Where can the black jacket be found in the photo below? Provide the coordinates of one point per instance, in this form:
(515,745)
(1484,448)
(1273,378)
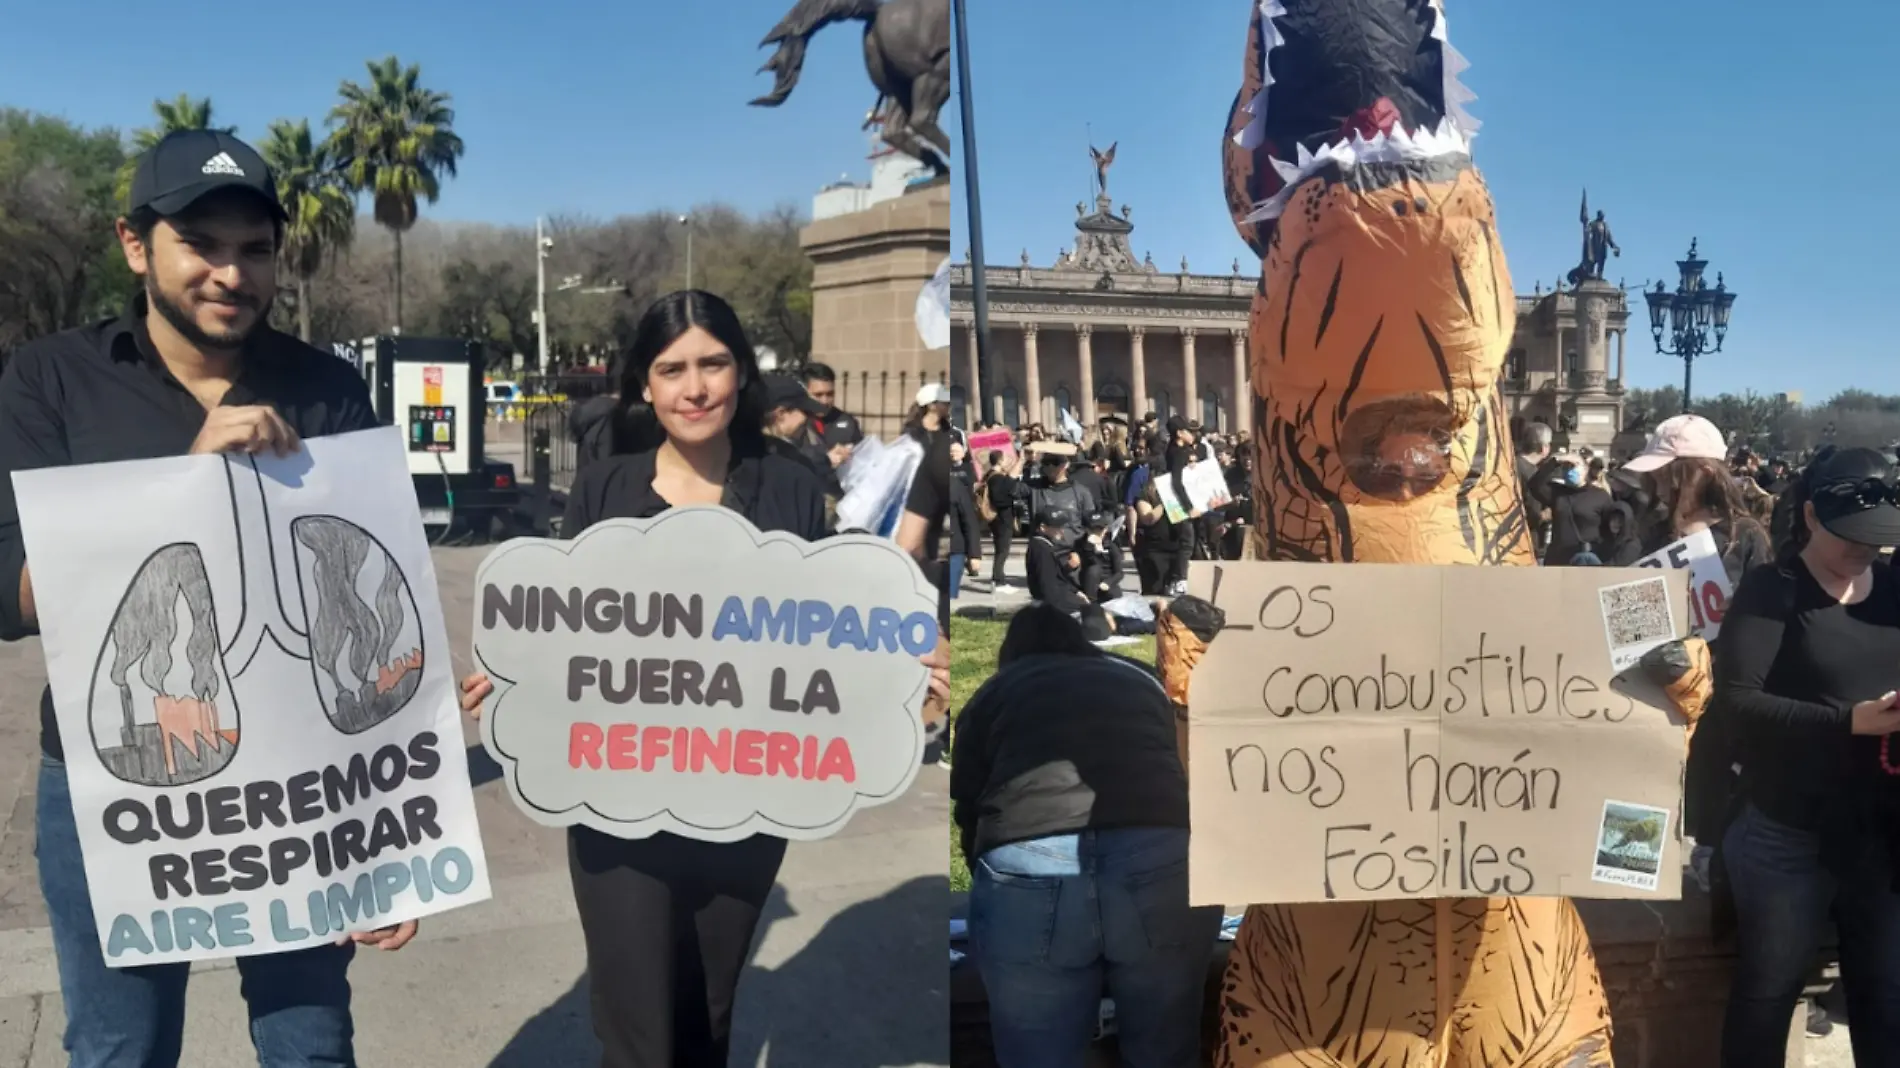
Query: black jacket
(773,491)
(1059,744)
(965,530)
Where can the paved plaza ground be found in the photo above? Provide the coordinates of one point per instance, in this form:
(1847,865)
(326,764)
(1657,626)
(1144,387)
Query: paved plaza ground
(850,969)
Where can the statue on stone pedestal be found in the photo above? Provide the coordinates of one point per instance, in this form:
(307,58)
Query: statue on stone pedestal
(906,52)
(1597,244)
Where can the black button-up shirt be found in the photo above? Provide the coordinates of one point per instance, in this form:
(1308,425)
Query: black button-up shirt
(100,394)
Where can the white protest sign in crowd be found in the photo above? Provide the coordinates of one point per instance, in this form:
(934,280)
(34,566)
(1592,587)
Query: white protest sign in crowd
(1709,587)
(251,678)
(693,675)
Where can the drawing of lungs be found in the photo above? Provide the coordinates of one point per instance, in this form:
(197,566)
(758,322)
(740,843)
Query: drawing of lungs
(161,706)
(364,632)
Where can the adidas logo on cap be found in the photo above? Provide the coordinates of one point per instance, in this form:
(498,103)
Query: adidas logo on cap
(222,163)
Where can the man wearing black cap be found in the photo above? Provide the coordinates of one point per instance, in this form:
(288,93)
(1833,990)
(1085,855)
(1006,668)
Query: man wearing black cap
(192,366)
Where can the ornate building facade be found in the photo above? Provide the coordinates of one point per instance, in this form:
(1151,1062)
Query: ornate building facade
(1101,334)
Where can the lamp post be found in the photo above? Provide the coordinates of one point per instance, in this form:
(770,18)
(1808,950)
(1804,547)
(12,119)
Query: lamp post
(542,243)
(985,384)
(687,221)
(1689,314)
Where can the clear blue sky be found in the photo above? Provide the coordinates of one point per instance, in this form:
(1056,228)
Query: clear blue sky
(599,107)
(1756,127)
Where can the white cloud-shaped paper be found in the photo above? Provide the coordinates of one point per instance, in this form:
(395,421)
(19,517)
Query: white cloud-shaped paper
(703,770)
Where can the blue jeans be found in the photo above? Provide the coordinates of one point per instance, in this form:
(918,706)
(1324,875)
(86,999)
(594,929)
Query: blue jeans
(1784,884)
(135,1017)
(1056,922)
(957,564)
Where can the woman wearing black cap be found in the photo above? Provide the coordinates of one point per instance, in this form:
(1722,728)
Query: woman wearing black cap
(1807,668)
(668,921)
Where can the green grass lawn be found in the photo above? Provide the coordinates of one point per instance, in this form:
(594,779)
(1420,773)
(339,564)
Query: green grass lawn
(973,646)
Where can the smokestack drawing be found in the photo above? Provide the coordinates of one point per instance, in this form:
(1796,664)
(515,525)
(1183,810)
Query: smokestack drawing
(186,737)
(367,658)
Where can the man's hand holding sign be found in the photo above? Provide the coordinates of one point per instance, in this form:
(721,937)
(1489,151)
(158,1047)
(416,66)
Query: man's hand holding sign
(1424,731)
(691,675)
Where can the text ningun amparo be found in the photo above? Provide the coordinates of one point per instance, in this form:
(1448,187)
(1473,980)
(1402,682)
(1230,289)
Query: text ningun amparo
(632,746)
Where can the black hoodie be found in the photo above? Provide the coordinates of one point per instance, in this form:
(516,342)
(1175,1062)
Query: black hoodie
(1617,544)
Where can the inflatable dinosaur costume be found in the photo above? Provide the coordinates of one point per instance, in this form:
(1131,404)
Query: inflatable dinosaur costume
(1381,324)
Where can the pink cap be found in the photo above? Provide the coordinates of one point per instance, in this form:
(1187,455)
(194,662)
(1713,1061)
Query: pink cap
(1680,437)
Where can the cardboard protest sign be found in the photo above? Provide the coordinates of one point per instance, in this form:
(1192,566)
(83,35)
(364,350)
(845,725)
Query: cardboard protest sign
(1709,587)
(1378,731)
(984,442)
(251,678)
(690,674)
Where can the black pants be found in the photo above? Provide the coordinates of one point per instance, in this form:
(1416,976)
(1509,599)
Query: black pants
(1002,532)
(1160,568)
(1786,881)
(668,923)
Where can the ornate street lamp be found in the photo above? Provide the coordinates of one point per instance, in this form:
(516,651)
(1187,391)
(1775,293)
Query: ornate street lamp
(1689,314)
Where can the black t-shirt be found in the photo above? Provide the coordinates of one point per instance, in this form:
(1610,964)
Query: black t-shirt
(100,394)
(1058,744)
(930,489)
(773,491)
(1791,664)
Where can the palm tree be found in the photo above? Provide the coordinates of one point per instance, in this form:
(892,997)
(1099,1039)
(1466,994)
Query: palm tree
(395,141)
(182,113)
(320,207)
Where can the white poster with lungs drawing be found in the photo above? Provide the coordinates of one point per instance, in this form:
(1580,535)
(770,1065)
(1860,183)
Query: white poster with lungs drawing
(251,677)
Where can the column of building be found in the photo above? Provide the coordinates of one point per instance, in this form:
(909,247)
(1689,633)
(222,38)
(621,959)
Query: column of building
(1243,398)
(1138,358)
(1032,374)
(974,395)
(1188,375)
(1085,359)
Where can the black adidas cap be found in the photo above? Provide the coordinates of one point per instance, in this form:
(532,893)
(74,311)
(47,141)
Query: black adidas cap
(188,164)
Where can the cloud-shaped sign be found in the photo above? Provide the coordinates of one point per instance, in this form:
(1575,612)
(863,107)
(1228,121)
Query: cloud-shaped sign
(693,675)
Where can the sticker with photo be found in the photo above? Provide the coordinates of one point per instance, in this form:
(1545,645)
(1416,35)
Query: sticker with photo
(1631,841)
(1636,619)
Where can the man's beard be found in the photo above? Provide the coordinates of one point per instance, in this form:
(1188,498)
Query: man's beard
(190,330)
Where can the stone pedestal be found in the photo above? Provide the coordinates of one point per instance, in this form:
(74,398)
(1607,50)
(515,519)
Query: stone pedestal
(1595,408)
(867,269)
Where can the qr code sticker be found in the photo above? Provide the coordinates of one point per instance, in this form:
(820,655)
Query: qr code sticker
(1638,612)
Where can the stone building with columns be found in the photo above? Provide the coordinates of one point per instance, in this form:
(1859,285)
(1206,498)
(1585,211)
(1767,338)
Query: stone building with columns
(1102,334)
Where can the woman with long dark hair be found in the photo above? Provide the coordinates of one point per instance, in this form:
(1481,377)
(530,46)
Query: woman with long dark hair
(668,921)
(1807,670)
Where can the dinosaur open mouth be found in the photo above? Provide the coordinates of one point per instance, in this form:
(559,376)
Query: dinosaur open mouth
(1398,449)
(1379,87)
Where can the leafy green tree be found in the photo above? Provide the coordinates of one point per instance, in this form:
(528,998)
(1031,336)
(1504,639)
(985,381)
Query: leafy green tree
(320,206)
(179,113)
(60,264)
(395,140)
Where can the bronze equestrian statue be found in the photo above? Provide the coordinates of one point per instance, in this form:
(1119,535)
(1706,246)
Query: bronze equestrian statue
(906,52)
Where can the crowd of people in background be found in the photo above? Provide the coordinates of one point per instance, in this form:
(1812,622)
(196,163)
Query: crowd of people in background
(1089,503)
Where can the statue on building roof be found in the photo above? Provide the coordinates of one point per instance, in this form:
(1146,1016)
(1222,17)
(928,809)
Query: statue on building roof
(1103,161)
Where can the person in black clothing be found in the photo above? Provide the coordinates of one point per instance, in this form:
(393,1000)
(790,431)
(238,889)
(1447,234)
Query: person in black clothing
(832,433)
(1101,560)
(1055,569)
(668,921)
(1071,806)
(966,539)
(192,367)
(1576,514)
(1616,541)
(1807,670)
(789,411)
(1002,487)
(1060,492)
(1162,546)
